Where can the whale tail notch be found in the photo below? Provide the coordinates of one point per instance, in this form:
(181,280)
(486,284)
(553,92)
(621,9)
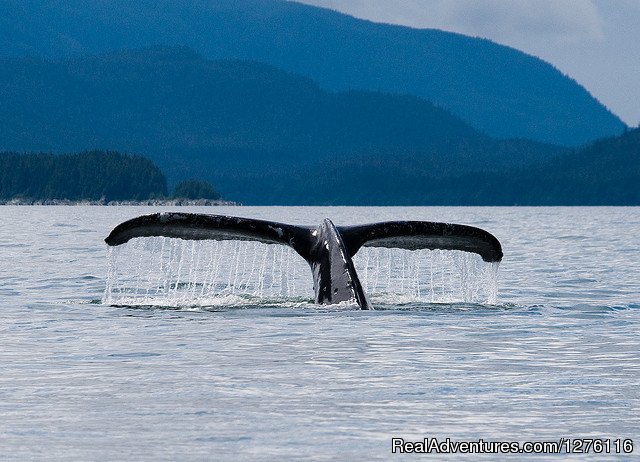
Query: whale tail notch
(327,249)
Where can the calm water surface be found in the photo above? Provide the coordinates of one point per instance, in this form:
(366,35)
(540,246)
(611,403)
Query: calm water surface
(558,356)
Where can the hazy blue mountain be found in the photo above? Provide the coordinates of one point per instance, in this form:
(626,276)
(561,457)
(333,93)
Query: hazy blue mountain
(606,172)
(499,90)
(259,134)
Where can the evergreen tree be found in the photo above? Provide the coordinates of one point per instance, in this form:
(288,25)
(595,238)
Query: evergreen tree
(90,175)
(195,189)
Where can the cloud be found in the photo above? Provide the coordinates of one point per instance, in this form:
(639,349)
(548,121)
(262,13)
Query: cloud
(500,20)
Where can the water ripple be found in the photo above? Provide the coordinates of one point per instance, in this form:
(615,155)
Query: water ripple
(557,356)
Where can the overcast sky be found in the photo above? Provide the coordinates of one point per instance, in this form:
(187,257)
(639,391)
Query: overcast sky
(597,42)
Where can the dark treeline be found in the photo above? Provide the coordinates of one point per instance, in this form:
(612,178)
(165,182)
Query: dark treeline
(195,189)
(91,175)
(264,136)
(246,127)
(606,172)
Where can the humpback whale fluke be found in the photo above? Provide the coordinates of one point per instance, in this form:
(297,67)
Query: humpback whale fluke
(327,248)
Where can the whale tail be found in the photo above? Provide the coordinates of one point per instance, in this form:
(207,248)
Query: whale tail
(328,249)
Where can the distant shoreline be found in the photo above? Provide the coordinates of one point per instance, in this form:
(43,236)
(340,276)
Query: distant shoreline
(149,202)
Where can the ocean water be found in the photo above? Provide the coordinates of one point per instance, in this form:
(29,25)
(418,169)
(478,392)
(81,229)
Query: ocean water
(267,375)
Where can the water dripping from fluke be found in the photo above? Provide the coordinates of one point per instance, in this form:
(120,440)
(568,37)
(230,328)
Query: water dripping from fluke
(188,260)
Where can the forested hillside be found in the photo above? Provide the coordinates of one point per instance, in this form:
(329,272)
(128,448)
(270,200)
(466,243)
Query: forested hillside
(247,127)
(496,89)
(606,172)
(94,175)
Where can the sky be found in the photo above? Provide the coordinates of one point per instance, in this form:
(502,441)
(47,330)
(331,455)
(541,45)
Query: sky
(596,42)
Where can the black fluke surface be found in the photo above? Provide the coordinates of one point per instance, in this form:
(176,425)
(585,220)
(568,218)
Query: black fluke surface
(328,249)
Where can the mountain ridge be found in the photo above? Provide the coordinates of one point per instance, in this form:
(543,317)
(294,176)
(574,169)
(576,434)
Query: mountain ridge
(242,125)
(497,89)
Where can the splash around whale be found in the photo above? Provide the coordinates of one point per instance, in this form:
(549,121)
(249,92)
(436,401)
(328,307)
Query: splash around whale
(328,249)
